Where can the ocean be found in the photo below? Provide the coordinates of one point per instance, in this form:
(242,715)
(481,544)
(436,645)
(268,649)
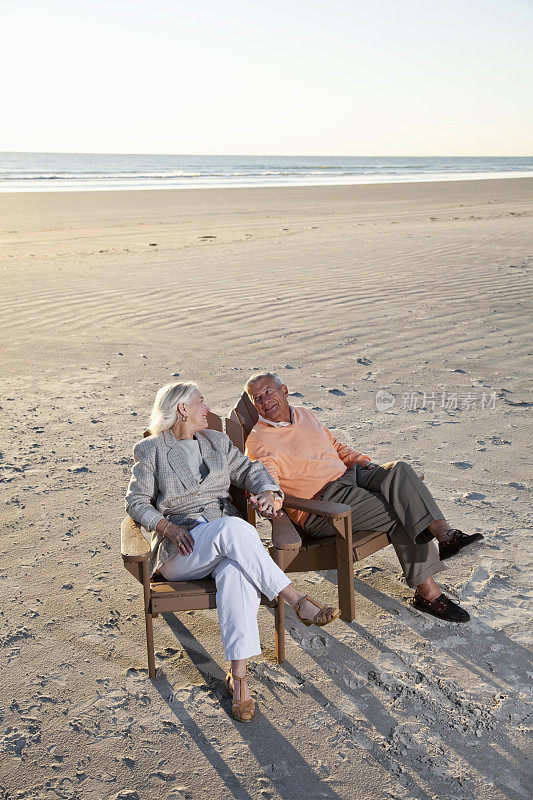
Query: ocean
(25,172)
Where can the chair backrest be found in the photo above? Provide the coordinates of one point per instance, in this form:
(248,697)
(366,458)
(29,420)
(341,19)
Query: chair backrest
(239,424)
(214,422)
(244,415)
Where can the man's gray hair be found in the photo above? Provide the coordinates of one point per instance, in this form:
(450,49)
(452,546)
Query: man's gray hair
(165,409)
(259,376)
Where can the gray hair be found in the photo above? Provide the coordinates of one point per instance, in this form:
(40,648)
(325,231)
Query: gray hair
(259,376)
(165,409)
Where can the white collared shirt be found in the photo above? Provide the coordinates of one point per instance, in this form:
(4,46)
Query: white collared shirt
(275,424)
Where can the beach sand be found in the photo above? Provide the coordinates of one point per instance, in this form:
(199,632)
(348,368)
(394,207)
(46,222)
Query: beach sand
(411,289)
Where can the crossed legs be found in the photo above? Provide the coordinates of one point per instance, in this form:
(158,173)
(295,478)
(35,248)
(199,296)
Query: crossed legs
(393,499)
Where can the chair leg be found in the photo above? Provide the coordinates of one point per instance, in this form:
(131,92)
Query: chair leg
(150,644)
(148,620)
(345,571)
(279,612)
(279,631)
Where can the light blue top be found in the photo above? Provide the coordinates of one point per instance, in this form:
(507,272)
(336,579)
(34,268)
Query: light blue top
(191,453)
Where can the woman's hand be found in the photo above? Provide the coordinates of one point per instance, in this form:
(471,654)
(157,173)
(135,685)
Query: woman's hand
(370,465)
(180,537)
(264,504)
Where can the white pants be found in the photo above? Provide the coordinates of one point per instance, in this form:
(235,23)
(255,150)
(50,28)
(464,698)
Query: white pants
(232,551)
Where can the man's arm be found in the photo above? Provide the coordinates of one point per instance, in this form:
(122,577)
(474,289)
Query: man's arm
(347,454)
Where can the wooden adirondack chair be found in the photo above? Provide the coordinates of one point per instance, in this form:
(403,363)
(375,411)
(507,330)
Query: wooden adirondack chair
(291,549)
(161,596)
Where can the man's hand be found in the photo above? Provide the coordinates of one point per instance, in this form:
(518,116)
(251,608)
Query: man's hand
(370,465)
(180,537)
(264,504)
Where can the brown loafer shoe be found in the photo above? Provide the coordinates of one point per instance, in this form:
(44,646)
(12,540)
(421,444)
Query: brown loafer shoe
(442,607)
(456,543)
(324,615)
(243,710)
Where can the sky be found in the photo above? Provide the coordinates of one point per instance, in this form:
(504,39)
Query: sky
(283,77)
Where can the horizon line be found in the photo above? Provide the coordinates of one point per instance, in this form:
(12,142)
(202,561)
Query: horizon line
(247,155)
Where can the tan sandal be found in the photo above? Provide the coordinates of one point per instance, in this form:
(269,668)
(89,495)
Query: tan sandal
(243,710)
(324,615)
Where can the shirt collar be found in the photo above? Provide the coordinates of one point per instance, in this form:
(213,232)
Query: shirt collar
(276,424)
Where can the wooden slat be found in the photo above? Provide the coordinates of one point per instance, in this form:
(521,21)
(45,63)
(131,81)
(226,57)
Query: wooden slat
(246,413)
(163,604)
(323,508)
(182,588)
(370,545)
(360,538)
(324,556)
(308,559)
(235,432)
(214,422)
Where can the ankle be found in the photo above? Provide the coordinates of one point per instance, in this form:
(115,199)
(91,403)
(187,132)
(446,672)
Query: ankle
(299,598)
(440,530)
(428,594)
(444,535)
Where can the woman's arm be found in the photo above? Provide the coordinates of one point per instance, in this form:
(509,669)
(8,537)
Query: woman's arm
(251,475)
(142,488)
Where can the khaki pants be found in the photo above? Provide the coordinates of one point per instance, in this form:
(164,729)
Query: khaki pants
(390,498)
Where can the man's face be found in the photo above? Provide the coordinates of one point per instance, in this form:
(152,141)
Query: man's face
(270,400)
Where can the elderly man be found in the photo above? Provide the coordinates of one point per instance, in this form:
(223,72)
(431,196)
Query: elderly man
(306,460)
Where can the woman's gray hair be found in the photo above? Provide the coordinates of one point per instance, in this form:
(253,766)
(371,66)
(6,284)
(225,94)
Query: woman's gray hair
(259,376)
(165,409)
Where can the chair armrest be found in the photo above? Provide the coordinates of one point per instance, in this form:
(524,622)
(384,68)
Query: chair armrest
(284,534)
(133,545)
(322,508)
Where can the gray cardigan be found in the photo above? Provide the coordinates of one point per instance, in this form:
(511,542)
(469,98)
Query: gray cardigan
(163,486)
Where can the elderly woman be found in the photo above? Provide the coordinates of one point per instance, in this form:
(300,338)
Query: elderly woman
(179,489)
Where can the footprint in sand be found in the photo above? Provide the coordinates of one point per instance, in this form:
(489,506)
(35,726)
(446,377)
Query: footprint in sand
(16,740)
(169,652)
(163,776)
(480,577)
(177,793)
(276,676)
(462,464)
(16,635)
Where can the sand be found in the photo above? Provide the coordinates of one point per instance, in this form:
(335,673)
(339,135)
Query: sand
(409,289)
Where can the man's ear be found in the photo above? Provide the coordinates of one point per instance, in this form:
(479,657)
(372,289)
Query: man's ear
(285,390)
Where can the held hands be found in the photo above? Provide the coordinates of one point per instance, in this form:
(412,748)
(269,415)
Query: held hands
(370,465)
(264,505)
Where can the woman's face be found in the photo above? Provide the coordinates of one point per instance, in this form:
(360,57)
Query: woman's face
(196,411)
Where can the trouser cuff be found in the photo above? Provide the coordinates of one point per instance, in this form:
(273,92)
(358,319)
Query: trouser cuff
(240,653)
(419,532)
(281,584)
(428,571)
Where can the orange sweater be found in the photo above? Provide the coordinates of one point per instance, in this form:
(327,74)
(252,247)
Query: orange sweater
(302,457)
